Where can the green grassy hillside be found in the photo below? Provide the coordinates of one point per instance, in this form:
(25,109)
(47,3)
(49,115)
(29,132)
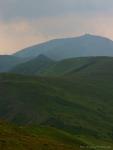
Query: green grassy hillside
(36,138)
(74,95)
(73,105)
(13,137)
(66,66)
(81,66)
(44,66)
(34,66)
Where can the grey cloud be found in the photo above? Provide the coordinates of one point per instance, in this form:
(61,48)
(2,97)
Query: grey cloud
(34,9)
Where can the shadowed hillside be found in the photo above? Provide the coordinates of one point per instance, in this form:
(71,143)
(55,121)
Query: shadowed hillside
(34,66)
(68,67)
(75,105)
(8,61)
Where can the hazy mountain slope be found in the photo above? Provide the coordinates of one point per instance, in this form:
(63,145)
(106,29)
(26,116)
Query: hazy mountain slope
(36,50)
(76,105)
(34,66)
(7,62)
(83,46)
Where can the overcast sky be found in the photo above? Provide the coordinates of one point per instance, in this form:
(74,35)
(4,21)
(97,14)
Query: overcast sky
(28,22)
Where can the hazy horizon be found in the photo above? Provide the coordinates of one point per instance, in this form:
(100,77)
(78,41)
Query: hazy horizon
(27,46)
(24,23)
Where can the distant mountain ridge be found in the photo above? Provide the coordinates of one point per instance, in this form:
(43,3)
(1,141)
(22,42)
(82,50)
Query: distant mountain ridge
(34,60)
(83,46)
(8,61)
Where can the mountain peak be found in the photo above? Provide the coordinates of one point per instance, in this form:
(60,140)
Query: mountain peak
(87,35)
(90,36)
(41,56)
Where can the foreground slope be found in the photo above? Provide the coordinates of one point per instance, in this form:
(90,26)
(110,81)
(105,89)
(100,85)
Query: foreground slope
(83,46)
(36,138)
(76,105)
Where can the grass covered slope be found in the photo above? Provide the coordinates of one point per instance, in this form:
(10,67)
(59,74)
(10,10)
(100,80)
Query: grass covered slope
(67,66)
(75,96)
(34,66)
(44,66)
(38,138)
(82,65)
(75,105)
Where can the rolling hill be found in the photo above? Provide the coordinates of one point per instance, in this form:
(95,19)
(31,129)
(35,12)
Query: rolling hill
(34,66)
(78,101)
(83,46)
(70,103)
(44,66)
